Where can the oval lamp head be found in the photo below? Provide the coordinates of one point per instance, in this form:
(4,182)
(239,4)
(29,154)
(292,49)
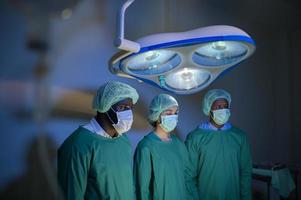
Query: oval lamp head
(185,62)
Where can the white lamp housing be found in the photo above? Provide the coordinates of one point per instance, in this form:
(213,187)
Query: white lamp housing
(184,62)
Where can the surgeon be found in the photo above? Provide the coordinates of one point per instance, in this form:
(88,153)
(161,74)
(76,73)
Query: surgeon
(95,161)
(220,153)
(161,159)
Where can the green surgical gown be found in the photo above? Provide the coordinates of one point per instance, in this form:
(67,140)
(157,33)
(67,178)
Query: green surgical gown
(160,169)
(91,166)
(221,163)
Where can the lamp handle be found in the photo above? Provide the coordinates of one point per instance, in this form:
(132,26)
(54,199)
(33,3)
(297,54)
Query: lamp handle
(120,42)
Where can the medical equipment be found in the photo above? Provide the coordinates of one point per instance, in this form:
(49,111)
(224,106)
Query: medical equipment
(183,62)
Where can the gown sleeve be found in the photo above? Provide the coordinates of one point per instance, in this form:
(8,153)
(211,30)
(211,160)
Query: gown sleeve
(245,170)
(191,170)
(73,173)
(143,173)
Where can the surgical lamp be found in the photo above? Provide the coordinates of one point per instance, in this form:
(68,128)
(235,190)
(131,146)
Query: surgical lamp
(182,62)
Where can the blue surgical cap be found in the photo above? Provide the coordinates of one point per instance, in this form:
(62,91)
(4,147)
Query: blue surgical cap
(159,104)
(111,93)
(212,96)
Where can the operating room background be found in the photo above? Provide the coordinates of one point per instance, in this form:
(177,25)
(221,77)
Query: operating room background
(47,94)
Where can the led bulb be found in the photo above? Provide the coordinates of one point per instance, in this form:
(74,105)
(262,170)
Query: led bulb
(186,75)
(151,55)
(187,78)
(220,53)
(151,62)
(220,45)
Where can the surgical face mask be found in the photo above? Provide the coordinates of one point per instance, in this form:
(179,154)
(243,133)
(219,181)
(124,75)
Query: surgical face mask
(169,122)
(125,121)
(221,116)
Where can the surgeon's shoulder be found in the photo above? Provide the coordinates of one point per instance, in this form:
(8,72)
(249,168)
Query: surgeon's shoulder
(176,138)
(143,147)
(239,134)
(238,131)
(197,133)
(81,139)
(179,143)
(146,142)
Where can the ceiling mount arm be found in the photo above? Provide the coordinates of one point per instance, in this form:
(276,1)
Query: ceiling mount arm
(120,41)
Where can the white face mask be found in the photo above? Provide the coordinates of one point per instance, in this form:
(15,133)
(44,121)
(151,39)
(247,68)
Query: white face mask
(125,121)
(169,122)
(221,116)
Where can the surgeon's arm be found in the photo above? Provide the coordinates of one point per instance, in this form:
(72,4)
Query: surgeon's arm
(245,171)
(73,174)
(142,173)
(192,168)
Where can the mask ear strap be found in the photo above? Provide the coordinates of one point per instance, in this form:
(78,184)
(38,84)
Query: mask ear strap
(160,118)
(110,117)
(113,110)
(211,114)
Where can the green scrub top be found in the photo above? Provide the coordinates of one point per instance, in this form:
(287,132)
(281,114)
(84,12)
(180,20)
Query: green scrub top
(161,169)
(91,166)
(221,164)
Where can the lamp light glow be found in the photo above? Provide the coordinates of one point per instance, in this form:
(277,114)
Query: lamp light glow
(184,62)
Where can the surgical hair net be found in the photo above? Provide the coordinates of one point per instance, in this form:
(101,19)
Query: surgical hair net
(212,96)
(111,93)
(159,104)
